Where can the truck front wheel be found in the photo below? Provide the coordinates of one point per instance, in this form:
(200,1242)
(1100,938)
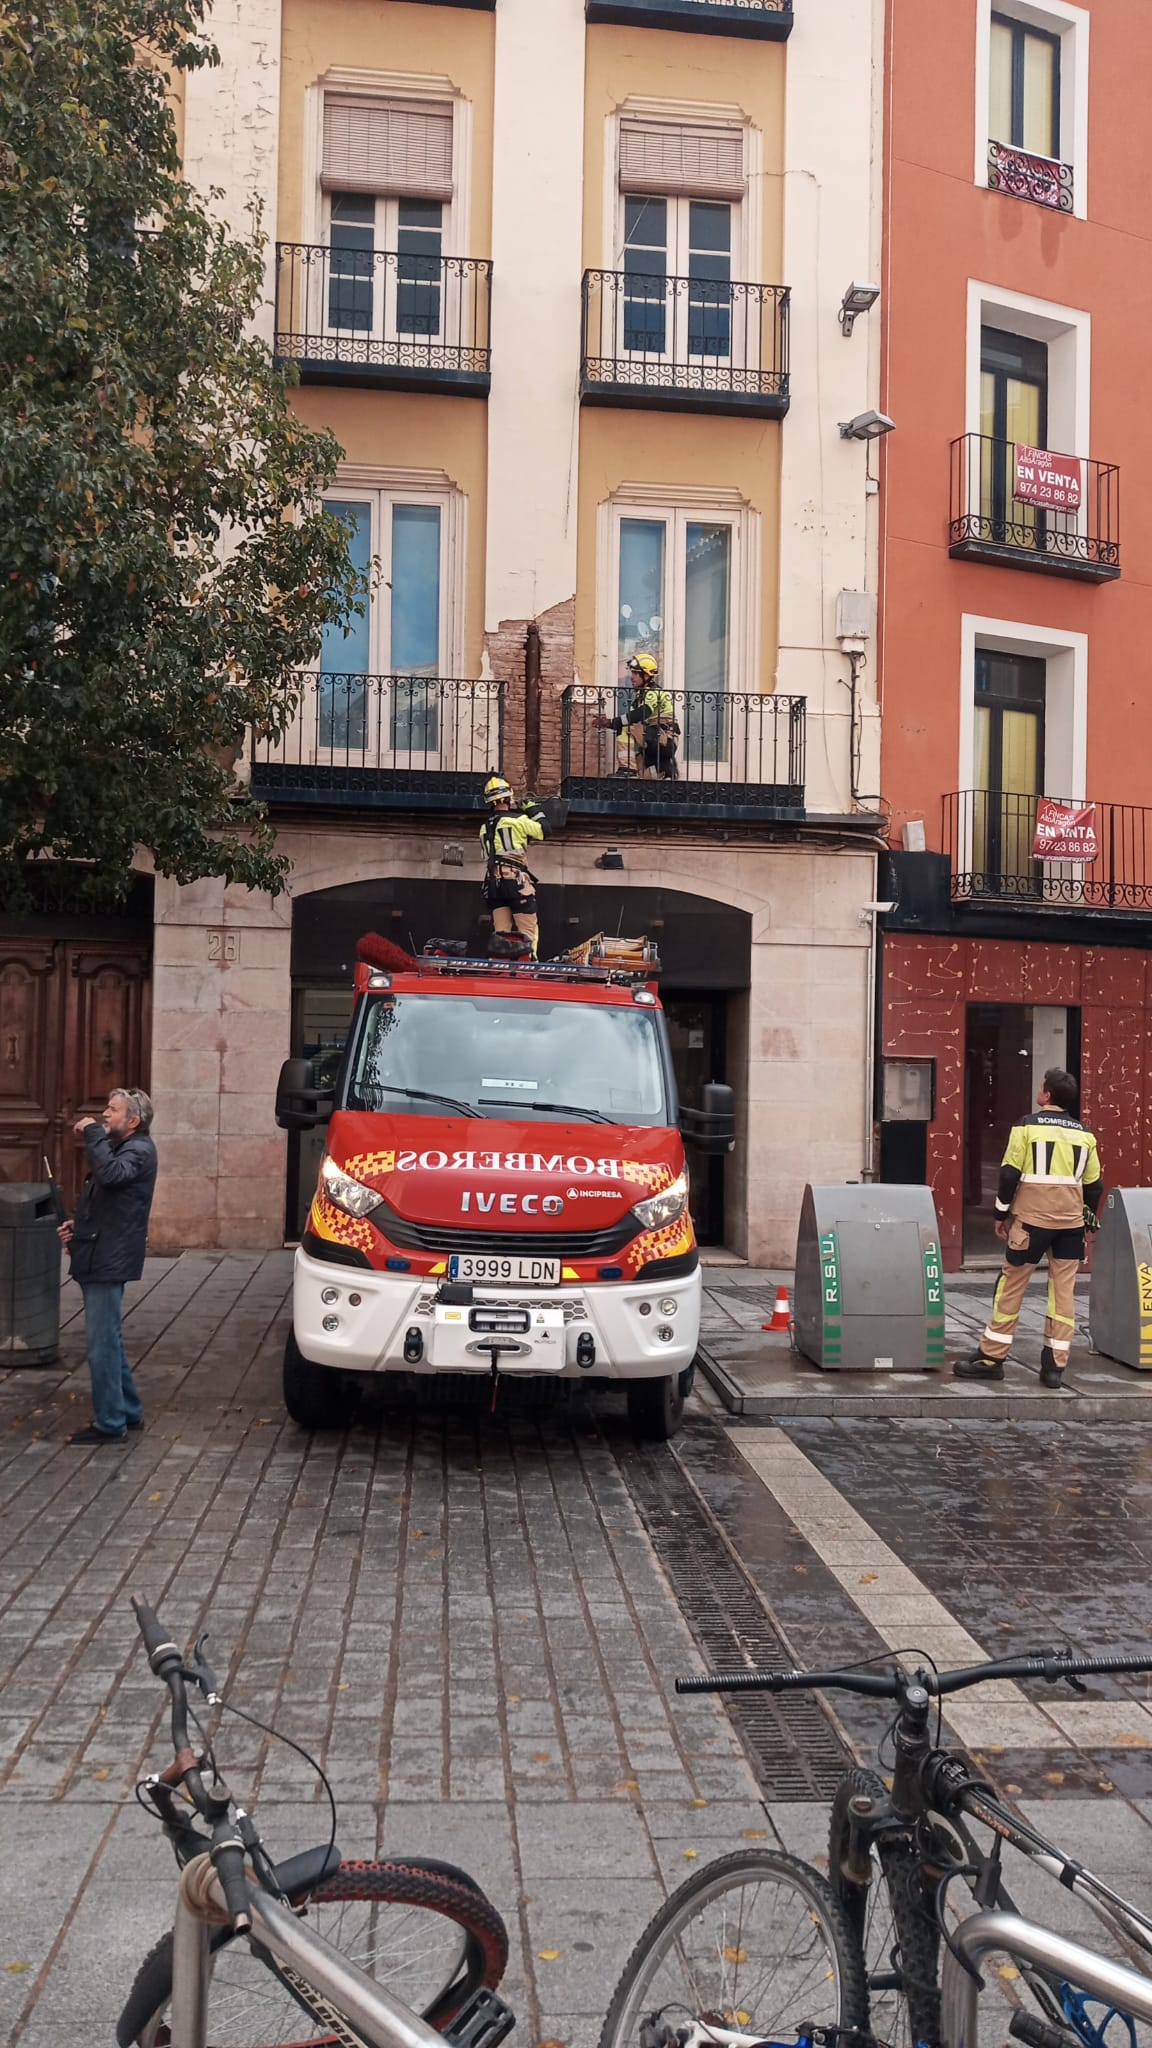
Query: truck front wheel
(656,1407)
(318,1396)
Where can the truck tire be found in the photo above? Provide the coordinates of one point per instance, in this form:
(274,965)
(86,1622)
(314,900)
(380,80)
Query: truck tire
(318,1396)
(656,1407)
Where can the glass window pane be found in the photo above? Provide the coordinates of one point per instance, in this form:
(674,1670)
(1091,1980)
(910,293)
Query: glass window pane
(415,652)
(353,206)
(641,615)
(341,702)
(415,594)
(421,213)
(1000,84)
(707,640)
(646,222)
(1041,67)
(709,226)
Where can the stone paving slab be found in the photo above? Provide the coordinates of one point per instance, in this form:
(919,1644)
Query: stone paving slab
(460,1614)
(758,1373)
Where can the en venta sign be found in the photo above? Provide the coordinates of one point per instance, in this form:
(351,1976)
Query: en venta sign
(1065,831)
(1046,479)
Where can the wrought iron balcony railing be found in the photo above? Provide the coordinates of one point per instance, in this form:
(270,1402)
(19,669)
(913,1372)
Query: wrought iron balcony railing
(382,317)
(720,754)
(989,836)
(684,344)
(401,742)
(766,20)
(1029,508)
(1038,178)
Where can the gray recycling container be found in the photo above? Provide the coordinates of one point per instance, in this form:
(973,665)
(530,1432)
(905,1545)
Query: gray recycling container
(1120,1303)
(29,1274)
(869,1279)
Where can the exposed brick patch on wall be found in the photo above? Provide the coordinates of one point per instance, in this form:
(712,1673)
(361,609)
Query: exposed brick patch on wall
(505,651)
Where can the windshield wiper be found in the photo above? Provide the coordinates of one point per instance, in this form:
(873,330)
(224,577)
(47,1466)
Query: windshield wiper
(584,1116)
(426,1095)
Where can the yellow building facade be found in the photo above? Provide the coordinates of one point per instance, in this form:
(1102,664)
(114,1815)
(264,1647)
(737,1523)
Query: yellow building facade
(564,279)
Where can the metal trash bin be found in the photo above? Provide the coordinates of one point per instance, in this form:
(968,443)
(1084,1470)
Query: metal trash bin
(869,1279)
(29,1274)
(1120,1303)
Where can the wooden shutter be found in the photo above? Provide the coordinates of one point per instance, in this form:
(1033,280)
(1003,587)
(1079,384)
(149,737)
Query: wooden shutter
(387,146)
(700,163)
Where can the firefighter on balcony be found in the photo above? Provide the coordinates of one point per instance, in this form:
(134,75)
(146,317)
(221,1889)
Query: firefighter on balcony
(1049,1193)
(647,734)
(509,885)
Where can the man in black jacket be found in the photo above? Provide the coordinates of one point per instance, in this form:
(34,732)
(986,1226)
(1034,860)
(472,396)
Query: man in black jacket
(106,1242)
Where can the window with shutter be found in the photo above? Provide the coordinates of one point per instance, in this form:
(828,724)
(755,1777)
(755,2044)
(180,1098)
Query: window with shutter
(385,146)
(706,163)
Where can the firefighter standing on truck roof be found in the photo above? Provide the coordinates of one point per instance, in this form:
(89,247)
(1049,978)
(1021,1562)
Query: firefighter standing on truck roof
(509,885)
(1049,1193)
(647,734)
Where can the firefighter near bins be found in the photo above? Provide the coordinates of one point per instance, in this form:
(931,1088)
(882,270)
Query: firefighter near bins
(647,734)
(1049,1195)
(509,884)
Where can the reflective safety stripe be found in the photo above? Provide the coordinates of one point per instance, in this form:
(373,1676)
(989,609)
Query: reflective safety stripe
(1053,1180)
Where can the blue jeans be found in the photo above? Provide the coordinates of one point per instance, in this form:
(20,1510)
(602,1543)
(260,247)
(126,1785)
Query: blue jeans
(115,1399)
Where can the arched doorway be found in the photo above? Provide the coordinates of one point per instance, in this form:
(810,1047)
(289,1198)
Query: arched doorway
(705,948)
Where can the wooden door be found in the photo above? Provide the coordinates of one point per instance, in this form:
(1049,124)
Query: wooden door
(74,1023)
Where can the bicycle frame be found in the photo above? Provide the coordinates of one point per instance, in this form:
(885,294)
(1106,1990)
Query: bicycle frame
(371,2012)
(985,1934)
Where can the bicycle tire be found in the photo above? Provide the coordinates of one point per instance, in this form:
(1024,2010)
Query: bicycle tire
(424,1886)
(666,1934)
(907,1939)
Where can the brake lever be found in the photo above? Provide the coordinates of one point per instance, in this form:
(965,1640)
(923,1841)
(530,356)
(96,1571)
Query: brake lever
(200,1671)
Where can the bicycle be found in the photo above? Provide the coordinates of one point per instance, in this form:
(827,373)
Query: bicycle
(892,1857)
(398,1953)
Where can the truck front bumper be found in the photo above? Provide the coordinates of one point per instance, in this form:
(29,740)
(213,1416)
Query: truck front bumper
(367,1321)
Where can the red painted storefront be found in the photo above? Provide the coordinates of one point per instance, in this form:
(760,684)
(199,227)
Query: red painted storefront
(928,983)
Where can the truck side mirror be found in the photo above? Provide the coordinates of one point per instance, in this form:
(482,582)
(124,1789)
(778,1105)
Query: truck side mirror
(712,1127)
(299,1106)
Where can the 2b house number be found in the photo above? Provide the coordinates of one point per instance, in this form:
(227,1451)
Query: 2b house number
(224,946)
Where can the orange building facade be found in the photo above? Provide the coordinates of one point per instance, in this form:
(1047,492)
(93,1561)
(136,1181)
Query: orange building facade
(1015,598)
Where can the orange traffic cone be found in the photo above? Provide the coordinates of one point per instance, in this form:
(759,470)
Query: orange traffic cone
(781,1318)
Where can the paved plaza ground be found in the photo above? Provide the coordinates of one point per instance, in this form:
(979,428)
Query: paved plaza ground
(475,1621)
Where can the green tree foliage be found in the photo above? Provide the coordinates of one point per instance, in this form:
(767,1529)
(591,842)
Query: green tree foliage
(166,566)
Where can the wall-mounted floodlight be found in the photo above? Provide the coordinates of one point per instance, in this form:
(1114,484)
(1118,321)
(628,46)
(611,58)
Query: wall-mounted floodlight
(859,298)
(866,426)
(610,858)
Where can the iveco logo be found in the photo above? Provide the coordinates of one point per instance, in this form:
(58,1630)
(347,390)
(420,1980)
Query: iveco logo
(478,1201)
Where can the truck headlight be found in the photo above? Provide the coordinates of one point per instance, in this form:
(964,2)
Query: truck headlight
(350,1195)
(666,1207)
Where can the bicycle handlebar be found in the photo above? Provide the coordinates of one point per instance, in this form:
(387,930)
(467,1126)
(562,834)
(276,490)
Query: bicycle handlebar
(1052,1665)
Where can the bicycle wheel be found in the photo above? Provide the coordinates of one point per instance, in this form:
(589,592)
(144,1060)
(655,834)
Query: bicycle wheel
(431,1939)
(755,1942)
(894,1924)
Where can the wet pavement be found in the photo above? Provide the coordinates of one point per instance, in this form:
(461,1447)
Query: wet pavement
(758,1374)
(476,1621)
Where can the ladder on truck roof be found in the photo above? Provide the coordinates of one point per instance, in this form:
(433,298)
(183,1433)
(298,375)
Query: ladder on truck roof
(603,960)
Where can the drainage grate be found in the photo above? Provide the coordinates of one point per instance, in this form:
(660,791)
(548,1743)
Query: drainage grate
(791,1745)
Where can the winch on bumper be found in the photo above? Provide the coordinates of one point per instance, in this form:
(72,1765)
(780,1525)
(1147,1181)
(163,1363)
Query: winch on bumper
(367,1321)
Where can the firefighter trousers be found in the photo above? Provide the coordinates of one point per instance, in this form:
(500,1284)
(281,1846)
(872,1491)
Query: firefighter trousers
(1028,1243)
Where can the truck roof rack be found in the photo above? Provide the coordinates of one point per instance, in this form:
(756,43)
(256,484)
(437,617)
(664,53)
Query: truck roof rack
(452,967)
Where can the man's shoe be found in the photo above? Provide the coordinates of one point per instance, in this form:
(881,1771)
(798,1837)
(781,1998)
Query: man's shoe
(133,1426)
(978,1368)
(93,1435)
(1051,1374)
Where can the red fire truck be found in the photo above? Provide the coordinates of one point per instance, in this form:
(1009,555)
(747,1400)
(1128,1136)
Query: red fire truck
(504,1189)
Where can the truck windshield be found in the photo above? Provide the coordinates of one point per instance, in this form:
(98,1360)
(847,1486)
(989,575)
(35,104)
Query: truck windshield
(499,1059)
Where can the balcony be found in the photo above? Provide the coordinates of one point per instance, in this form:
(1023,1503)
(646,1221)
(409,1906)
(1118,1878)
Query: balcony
(385,319)
(1039,179)
(739,756)
(684,344)
(767,21)
(990,837)
(1028,508)
(388,742)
